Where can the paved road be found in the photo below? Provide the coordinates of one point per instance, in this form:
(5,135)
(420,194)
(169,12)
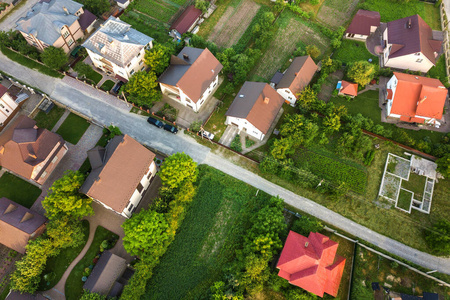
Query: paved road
(12,17)
(136,126)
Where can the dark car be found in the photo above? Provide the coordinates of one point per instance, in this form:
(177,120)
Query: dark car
(171,128)
(155,122)
(117,87)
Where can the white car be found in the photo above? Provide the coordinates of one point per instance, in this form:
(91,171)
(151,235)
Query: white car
(207,134)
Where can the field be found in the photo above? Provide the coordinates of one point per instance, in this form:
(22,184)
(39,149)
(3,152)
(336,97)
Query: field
(18,190)
(158,10)
(351,51)
(205,241)
(336,13)
(73,128)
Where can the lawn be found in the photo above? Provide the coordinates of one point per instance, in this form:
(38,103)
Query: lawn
(351,51)
(94,77)
(404,200)
(107,85)
(438,71)
(74,285)
(335,13)
(49,120)
(159,10)
(57,265)
(415,184)
(18,190)
(147,25)
(393,10)
(19,58)
(206,239)
(73,128)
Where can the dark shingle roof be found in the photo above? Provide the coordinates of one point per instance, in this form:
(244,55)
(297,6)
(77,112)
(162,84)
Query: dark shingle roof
(362,22)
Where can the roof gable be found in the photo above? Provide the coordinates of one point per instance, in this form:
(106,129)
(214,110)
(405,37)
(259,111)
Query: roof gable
(298,75)
(186,19)
(363,21)
(349,88)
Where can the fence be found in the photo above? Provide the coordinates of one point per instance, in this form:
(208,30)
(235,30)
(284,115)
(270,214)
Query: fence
(445,29)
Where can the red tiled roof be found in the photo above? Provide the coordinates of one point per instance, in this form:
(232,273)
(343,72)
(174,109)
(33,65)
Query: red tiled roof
(412,119)
(389,94)
(187,19)
(3,90)
(298,75)
(362,22)
(311,263)
(349,88)
(418,96)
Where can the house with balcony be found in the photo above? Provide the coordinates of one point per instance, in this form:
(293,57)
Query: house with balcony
(117,49)
(55,23)
(30,152)
(191,77)
(11,99)
(121,173)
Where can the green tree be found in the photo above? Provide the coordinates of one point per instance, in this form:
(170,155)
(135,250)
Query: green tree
(97,7)
(438,238)
(64,200)
(202,5)
(301,130)
(281,148)
(83,69)
(305,225)
(313,51)
(361,72)
(332,123)
(142,88)
(158,58)
(87,295)
(177,169)
(54,58)
(65,233)
(145,234)
(306,97)
(444,165)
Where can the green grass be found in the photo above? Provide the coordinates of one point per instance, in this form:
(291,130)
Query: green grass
(206,240)
(415,184)
(19,58)
(147,25)
(94,76)
(58,264)
(74,285)
(404,200)
(107,85)
(18,190)
(73,128)
(159,10)
(438,71)
(351,51)
(5,292)
(49,120)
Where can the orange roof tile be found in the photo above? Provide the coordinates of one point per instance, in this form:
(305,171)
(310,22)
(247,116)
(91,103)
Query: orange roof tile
(349,88)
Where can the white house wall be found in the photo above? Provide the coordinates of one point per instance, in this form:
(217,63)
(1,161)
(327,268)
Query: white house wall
(409,62)
(244,124)
(7,107)
(287,95)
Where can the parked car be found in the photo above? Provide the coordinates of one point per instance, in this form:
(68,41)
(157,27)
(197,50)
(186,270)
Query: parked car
(170,128)
(155,122)
(206,134)
(117,87)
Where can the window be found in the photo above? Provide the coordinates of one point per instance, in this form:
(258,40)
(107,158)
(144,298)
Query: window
(419,60)
(54,159)
(140,187)
(418,53)
(131,72)
(215,83)
(129,64)
(150,174)
(1,105)
(141,62)
(139,54)
(7,110)
(143,68)
(66,34)
(130,207)
(202,102)
(70,42)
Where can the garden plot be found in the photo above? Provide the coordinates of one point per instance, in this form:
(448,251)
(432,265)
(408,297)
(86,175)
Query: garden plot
(157,9)
(398,166)
(336,13)
(390,186)
(233,23)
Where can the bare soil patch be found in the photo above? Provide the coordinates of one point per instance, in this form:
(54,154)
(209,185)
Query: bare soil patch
(336,13)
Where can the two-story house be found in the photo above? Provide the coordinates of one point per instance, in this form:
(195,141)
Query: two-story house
(10,101)
(118,49)
(55,23)
(191,77)
(121,173)
(29,151)
(415,99)
(409,43)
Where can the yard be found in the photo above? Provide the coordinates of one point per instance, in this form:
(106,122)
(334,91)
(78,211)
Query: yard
(18,190)
(74,284)
(147,25)
(160,10)
(336,13)
(57,265)
(49,120)
(352,51)
(415,184)
(107,85)
(73,128)
(94,77)
(404,200)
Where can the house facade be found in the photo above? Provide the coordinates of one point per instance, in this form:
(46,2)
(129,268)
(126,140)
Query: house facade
(363,24)
(415,99)
(254,109)
(296,78)
(11,99)
(409,43)
(29,151)
(191,77)
(118,49)
(120,175)
(54,23)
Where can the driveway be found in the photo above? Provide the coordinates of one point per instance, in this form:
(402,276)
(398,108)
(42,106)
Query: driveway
(9,21)
(110,112)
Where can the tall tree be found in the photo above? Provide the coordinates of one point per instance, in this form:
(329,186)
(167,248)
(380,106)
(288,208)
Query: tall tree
(158,58)
(301,130)
(54,58)
(97,7)
(361,72)
(313,51)
(306,97)
(142,88)
(438,238)
(444,165)
(177,169)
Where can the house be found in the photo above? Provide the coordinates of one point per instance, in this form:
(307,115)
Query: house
(415,99)
(311,263)
(254,109)
(118,49)
(11,99)
(29,151)
(363,24)
(348,89)
(186,22)
(55,23)
(296,78)
(191,77)
(120,175)
(123,3)
(105,276)
(409,43)
(18,224)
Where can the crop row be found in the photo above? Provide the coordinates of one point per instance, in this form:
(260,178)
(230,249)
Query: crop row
(157,10)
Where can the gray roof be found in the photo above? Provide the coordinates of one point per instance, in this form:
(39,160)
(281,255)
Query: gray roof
(45,19)
(179,65)
(96,156)
(116,41)
(16,215)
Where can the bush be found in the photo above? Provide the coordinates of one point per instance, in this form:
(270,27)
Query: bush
(236,144)
(369,157)
(313,51)
(195,126)
(304,225)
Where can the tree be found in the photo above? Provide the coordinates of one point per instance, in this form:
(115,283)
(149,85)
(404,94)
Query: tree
(301,130)
(202,5)
(145,234)
(158,58)
(83,69)
(142,88)
(282,148)
(64,199)
(438,238)
(444,165)
(313,51)
(65,233)
(87,295)
(97,7)
(361,72)
(332,123)
(177,169)
(304,225)
(306,97)
(54,58)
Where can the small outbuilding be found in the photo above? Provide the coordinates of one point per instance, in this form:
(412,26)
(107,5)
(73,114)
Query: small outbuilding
(186,22)
(363,24)
(348,89)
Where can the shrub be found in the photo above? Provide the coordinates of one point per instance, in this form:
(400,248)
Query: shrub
(369,157)
(304,225)
(313,51)
(236,144)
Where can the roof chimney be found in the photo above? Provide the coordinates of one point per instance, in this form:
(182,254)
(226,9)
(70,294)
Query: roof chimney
(296,73)
(66,10)
(266,100)
(408,25)
(306,244)
(11,207)
(27,216)
(185,56)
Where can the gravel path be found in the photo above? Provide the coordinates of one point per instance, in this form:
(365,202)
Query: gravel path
(114,113)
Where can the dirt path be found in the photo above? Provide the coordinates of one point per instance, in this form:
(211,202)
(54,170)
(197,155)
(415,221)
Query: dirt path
(233,23)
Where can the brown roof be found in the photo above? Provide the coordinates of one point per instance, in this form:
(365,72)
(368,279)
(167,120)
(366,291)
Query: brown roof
(3,90)
(192,71)
(124,164)
(23,146)
(298,75)
(187,19)
(362,22)
(17,223)
(249,104)
(86,19)
(417,38)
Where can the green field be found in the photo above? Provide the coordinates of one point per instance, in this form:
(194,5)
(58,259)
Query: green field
(351,51)
(404,200)
(158,9)
(18,190)
(49,120)
(73,128)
